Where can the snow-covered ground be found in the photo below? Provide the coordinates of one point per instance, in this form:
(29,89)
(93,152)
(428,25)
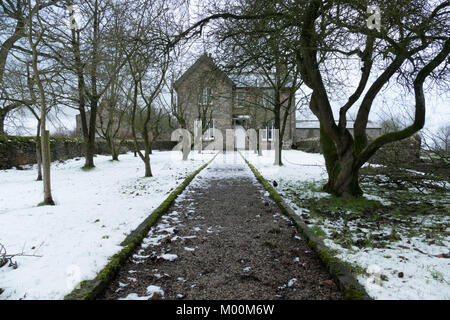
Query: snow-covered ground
(411,268)
(95,210)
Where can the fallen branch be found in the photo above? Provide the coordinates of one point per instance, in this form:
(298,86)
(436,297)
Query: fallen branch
(5,258)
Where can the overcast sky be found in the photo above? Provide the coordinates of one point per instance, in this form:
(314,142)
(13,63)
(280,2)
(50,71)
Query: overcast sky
(392,101)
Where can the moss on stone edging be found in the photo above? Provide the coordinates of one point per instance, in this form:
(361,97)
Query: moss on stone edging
(90,289)
(348,284)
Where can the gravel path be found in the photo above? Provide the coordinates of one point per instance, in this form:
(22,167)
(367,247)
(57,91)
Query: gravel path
(223,238)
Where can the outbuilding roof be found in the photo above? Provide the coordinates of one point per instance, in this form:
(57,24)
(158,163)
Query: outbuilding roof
(315,124)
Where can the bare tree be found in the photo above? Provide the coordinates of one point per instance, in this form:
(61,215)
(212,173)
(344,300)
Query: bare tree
(37,32)
(266,54)
(84,50)
(147,70)
(143,115)
(345,154)
(113,110)
(13,20)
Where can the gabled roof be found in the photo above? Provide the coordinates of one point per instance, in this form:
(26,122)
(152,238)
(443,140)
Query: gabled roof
(204,59)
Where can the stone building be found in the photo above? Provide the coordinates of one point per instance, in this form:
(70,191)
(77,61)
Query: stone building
(205,92)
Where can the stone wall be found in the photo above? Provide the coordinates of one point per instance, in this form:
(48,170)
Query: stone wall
(309,145)
(403,152)
(400,153)
(17,151)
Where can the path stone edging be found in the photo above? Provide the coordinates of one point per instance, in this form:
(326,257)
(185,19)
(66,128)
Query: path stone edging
(349,285)
(90,289)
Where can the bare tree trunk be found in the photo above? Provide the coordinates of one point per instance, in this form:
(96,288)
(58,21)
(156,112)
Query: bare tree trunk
(112,148)
(2,123)
(114,154)
(260,133)
(277,136)
(38,152)
(90,141)
(343,171)
(90,151)
(276,140)
(45,142)
(148,169)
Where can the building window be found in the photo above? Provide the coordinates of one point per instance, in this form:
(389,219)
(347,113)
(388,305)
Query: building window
(210,131)
(205,97)
(268,132)
(240,100)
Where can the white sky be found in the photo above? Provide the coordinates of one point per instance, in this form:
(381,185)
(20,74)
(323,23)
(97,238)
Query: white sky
(392,101)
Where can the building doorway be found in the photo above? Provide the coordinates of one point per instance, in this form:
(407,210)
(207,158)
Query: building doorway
(239,134)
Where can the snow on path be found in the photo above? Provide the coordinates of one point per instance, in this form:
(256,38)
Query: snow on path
(95,211)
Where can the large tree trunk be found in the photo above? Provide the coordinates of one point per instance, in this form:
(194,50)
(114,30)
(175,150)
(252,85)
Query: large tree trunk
(342,169)
(89,155)
(277,137)
(343,181)
(90,141)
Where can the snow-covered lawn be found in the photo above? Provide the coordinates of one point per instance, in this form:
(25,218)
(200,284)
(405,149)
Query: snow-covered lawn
(95,210)
(411,261)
